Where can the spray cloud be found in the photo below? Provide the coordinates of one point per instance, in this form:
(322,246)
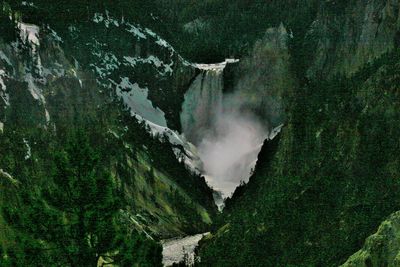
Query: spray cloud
(223,127)
(229,150)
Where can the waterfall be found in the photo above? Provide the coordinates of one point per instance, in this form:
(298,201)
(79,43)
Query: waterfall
(203,101)
(227,136)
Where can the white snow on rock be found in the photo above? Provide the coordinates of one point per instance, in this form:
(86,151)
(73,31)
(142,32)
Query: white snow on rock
(33,89)
(28,149)
(26,3)
(2,84)
(165,68)
(189,155)
(107,20)
(135,30)
(29,32)
(47,115)
(108,63)
(136,99)
(6,175)
(162,42)
(3,94)
(54,35)
(98,17)
(5,58)
(275,132)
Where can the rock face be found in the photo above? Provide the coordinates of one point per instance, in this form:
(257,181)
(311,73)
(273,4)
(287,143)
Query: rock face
(52,81)
(348,34)
(381,248)
(141,61)
(319,195)
(230,108)
(261,78)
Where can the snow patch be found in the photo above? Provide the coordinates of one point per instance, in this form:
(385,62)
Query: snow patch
(188,155)
(33,89)
(54,35)
(135,30)
(26,3)
(5,58)
(107,20)
(8,176)
(133,61)
(3,94)
(162,42)
(150,32)
(28,153)
(29,32)
(136,99)
(274,132)
(98,17)
(107,64)
(47,115)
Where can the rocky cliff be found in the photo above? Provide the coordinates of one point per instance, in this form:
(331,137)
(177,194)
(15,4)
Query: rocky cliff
(317,194)
(347,35)
(124,93)
(381,248)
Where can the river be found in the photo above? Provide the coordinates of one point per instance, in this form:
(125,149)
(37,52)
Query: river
(179,249)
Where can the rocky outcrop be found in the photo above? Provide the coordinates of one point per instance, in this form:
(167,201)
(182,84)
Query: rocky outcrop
(381,248)
(261,78)
(348,34)
(334,176)
(52,81)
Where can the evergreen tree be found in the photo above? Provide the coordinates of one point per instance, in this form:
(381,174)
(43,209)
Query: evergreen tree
(75,222)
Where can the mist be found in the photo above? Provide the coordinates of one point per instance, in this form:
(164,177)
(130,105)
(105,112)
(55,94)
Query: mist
(224,127)
(229,149)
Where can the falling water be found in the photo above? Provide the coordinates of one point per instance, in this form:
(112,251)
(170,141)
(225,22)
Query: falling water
(228,138)
(203,102)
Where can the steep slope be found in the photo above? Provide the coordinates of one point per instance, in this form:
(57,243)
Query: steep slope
(210,31)
(226,109)
(332,177)
(54,82)
(381,248)
(118,43)
(350,34)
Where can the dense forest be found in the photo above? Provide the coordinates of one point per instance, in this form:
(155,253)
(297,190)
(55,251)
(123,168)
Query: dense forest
(85,182)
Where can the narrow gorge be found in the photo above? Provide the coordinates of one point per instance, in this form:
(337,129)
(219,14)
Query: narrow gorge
(228,137)
(200,133)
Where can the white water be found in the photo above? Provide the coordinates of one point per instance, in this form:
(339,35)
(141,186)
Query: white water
(227,136)
(179,249)
(203,101)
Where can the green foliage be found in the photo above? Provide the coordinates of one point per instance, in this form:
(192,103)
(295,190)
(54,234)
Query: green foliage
(230,28)
(7,25)
(164,159)
(333,178)
(74,221)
